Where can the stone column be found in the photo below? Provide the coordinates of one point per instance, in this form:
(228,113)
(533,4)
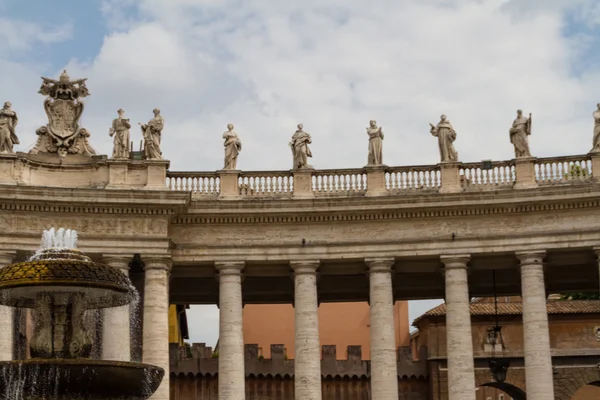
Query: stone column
(384,370)
(232,378)
(539,378)
(116,336)
(461,372)
(307,364)
(6,316)
(597,251)
(155,347)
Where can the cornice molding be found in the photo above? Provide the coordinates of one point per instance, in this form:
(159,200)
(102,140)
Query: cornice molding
(309,216)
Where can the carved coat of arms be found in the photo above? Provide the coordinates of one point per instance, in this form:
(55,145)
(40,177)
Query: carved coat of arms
(63,107)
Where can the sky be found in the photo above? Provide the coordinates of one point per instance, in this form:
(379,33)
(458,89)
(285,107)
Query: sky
(267,65)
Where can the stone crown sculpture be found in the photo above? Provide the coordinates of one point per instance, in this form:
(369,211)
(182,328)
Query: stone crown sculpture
(64,107)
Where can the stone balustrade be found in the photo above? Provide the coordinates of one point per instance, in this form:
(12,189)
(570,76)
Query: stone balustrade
(380,181)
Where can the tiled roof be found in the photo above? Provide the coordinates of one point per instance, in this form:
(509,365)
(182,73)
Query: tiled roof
(516,308)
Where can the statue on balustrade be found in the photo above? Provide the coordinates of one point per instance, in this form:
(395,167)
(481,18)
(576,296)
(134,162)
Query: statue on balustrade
(446,136)
(120,131)
(152,132)
(520,130)
(596,148)
(300,149)
(63,135)
(8,123)
(375,144)
(233,146)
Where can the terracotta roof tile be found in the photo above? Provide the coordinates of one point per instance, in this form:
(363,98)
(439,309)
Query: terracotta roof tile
(516,308)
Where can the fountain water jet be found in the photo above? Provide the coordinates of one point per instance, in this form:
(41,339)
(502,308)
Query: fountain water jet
(60,284)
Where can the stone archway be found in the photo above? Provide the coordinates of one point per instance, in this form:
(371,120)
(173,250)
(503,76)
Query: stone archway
(513,391)
(569,380)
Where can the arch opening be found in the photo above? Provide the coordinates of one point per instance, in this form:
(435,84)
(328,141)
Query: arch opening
(512,391)
(591,391)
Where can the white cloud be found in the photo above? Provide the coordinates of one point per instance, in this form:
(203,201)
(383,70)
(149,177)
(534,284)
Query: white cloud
(20,35)
(266,66)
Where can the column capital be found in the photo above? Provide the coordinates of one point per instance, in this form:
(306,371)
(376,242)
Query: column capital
(382,264)
(230,267)
(455,261)
(7,257)
(162,261)
(305,266)
(531,257)
(120,261)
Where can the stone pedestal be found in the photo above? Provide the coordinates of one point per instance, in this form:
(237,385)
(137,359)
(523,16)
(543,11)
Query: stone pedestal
(231,336)
(157,174)
(461,372)
(303,187)
(229,184)
(450,176)
(7,317)
(117,173)
(595,157)
(376,180)
(116,336)
(7,169)
(536,338)
(307,364)
(525,173)
(155,349)
(384,372)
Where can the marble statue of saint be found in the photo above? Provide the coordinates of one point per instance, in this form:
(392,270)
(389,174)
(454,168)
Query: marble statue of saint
(151,133)
(300,150)
(375,144)
(8,123)
(596,115)
(520,130)
(120,131)
(233,146)
(446,136)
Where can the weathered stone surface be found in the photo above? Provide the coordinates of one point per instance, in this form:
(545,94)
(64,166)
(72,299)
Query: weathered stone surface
(116,337)
(6,316)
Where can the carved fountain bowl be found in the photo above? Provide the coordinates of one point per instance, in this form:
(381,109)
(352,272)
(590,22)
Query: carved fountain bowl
(78,379)
(64,271)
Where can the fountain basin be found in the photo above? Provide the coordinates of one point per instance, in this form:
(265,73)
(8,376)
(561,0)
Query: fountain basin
(102,286)
(66,379)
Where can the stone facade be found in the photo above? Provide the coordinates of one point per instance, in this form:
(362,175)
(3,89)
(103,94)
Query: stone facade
(417,218)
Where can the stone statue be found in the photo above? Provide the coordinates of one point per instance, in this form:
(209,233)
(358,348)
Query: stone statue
(375,144)
(596,115)
(300,150)
(63,135)
(233,146)
(521,128)
(152,132)
(446,136)
(8,123)
(120,131)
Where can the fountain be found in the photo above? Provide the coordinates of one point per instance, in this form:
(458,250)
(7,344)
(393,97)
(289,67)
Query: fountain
(61,284)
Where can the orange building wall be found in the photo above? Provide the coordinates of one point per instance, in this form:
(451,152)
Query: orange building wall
(341,324)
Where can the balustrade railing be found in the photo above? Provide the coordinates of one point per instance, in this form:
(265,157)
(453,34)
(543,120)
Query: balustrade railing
(416,177)
(553,170)
(339,181)
(266,183)
(493,174)
(195,182)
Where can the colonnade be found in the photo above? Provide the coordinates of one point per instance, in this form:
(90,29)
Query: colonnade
(384,381)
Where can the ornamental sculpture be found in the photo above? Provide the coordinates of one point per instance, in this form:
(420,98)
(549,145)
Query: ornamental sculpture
(375,144)
(520,130)
(64,107)
(120,131)
(8,123)
(233,146)
(446,136)
(152,134)
(300,149)
(596,115)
